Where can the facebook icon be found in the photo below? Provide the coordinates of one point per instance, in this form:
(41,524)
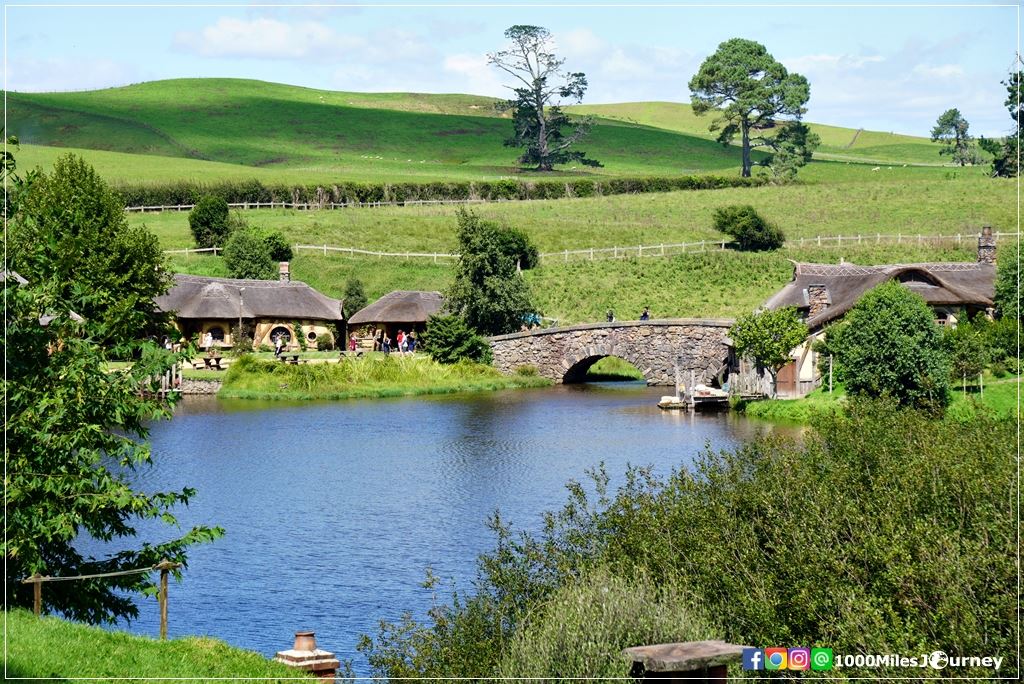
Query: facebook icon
(753,659)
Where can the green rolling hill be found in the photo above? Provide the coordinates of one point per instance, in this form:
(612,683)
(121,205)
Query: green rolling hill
(215,129)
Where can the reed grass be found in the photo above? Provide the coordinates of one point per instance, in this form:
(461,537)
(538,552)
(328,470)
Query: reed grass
(364,377)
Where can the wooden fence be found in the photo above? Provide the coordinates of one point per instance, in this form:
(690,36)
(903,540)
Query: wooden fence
(311,206)
(659,250)
(164,566)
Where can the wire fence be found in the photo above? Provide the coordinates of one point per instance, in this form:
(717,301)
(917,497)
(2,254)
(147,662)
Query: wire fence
(312,206)
(641,251)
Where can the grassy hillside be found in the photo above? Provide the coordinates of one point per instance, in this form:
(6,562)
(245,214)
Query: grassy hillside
(59,650)
(837,143)
(291,134)
(267,125)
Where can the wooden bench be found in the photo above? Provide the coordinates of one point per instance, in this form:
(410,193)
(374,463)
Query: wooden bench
(289,358)
(212,362)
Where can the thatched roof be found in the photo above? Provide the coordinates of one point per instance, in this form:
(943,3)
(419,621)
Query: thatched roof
(401,306)
(940,284)
(202,297)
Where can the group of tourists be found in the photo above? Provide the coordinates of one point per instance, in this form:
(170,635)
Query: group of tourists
(404,343)
(645,316)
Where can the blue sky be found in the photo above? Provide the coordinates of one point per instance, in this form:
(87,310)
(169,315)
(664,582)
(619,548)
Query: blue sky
(884,67)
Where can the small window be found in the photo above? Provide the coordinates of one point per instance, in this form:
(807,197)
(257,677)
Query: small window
(217,333)
(311,336)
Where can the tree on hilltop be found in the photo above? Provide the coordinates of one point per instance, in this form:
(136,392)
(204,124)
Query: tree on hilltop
(537,117)
(1006,153)
(951,129)
(749,91)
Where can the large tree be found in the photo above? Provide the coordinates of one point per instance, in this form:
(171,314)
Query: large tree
(1006,153)
(1009,299)
(889,344)
(951,129)
(768,337)
(749,91)
(75,429)
(539,125)
(70,231)
(488,292)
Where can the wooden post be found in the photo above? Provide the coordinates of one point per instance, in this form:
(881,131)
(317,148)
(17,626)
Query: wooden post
(37,593)
(830,374)
(981,383)
(164,566)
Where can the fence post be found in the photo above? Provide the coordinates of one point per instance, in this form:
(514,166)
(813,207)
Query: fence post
(215,250)
(958,239)
(566,256)
(819,241)
(164,566)
(591,253)
(662,249)
(325,250)
(37,593)
(879,238)
(918,238)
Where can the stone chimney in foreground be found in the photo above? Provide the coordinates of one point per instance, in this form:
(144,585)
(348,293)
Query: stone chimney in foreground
(284,275)
(986,246)
(817,299)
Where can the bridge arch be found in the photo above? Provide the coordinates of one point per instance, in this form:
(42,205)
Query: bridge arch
(655,347)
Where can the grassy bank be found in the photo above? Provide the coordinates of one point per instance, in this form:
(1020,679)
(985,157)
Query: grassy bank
(59,650)
(613,369)
(998,399)
(391,376)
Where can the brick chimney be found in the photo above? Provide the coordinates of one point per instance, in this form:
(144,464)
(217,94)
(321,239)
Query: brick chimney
(817,299)
(284,275)
(986,246)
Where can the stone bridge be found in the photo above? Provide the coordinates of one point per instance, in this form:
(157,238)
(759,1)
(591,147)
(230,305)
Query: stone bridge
(655,347)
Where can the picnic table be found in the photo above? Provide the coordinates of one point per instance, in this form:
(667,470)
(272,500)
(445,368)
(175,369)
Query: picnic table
(212,362)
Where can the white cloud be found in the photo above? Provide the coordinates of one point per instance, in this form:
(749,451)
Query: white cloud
(580,43)
(269,38)
(479,77)
(939,72)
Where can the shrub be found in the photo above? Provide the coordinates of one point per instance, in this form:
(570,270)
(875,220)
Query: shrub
(583,628)
(527,370)
(208,221)
(998,369)
(246,256)
(517,244)
(748,228)
(355,297)
(324,343)
(277,246)
(890,344)
(242,338)
(449,340)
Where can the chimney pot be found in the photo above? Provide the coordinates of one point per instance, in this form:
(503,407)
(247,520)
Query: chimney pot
(284,273)
(986,246)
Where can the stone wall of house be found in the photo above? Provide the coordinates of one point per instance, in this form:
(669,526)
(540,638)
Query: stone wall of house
(654,347)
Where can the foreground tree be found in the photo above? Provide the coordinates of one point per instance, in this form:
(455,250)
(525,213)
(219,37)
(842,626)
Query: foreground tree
(749,90)
(449,340)
(768,337)
(488,292)
(889,344)
(951,130)
(966,348)
(75,430)
(537,118)
(355,297)
(70,235)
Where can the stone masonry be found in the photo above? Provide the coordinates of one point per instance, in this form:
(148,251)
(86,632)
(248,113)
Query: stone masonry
(565,354)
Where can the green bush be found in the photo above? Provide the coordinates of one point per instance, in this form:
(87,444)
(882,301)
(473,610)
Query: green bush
(277,246)
(889,344)
(449,340)
(208,221)
(246,256)
(527,370)
(242,338)
(324,343)
(748,228)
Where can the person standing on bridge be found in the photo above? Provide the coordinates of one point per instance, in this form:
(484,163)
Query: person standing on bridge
(610,317)
(646,315)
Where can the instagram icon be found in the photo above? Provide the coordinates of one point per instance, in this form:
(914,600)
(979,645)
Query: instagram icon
(799,658)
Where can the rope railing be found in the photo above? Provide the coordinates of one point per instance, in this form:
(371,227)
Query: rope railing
(164,566)
(629,251)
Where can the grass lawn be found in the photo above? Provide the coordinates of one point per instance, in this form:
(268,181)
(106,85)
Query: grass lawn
(367,376)
(1000,397)
(59,650)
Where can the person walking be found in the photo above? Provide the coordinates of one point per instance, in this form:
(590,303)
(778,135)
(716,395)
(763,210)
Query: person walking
(278,345)
(610,316)
(412,341)
(385,344)
(646,315)
(400,342)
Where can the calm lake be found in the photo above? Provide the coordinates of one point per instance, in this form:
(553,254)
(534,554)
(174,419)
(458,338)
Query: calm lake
(333,511)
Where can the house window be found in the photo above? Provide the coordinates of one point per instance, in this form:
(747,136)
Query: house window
(311,336)
(217,333)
